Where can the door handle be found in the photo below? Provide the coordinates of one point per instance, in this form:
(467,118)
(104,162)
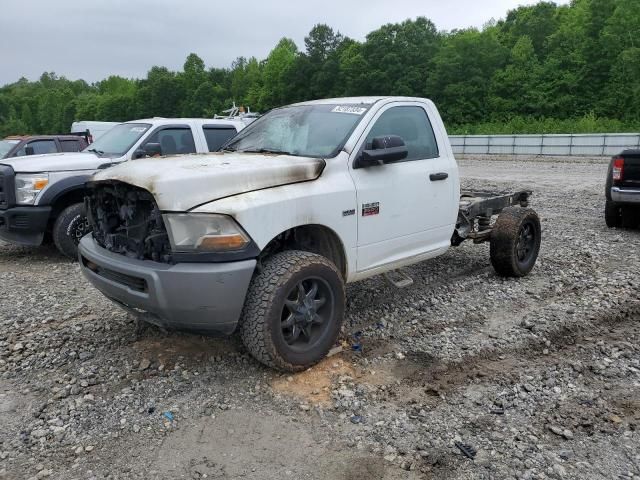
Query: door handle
(434,177)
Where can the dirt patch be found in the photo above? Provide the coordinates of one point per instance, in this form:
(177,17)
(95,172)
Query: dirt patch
(314,385)
(191,349)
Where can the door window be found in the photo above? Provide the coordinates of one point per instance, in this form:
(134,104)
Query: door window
(410,123)
(217,136)
(71,145)
(174,141)
(39,147)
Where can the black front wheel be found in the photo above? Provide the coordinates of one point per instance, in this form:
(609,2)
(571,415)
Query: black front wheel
(515,242)
(70,226)
(293,311)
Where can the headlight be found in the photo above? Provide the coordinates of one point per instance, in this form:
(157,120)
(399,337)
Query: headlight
(195,232)
(28,186)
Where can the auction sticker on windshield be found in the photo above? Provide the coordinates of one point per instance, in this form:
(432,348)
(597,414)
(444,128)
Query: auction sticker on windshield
(139,129)
(346,109)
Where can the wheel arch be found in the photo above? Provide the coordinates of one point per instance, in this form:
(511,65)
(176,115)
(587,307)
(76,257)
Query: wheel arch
(64,193)
(314,238)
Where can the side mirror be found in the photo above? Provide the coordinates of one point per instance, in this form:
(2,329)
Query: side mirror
(387,149)
(149,150)
(29,150)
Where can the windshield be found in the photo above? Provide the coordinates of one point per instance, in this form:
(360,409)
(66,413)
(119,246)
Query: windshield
(306,130)
(6,146)
(117,141)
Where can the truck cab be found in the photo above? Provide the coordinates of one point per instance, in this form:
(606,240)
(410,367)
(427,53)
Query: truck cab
(42,195)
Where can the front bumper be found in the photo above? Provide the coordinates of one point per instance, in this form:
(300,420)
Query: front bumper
(205,298)
(24,225)
(625,195)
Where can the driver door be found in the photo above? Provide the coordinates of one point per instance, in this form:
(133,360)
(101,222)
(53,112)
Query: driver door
(407,208)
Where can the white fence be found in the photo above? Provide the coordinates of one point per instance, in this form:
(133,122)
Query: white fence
(593,145)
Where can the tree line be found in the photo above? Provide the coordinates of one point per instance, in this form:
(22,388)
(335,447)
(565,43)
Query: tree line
(543,69)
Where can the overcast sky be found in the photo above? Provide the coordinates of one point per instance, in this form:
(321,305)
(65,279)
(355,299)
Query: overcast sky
(92,39)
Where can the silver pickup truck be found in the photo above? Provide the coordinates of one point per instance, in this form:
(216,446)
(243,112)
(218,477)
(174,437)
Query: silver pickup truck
(41,196)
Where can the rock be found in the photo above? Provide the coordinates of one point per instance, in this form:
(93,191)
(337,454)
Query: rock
(89,448)
(482,458)
(559,470)
(145,363)
(615,419)
(561,432)
(335,351)
(45,472)
(555,429)
(39,433)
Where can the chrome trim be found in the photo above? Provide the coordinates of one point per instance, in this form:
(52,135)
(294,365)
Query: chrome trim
(625,195)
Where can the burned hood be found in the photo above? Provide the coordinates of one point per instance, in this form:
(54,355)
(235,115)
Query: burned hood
(182,183)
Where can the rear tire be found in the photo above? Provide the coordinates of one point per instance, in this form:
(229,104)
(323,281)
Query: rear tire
(515,242)
(294,310)
(70,226)
(612,214)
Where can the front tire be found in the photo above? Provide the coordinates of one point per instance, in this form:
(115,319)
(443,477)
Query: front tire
(294,310)
(70,226)
(515,242)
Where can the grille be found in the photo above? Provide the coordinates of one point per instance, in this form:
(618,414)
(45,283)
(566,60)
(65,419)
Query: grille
(20,221)
(6,187)
(4,203)
(126,220)
(134,283)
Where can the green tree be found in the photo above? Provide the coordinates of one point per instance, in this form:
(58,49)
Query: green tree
(277,68)
(514,88)
(462,74)
(27,117)
(400,57)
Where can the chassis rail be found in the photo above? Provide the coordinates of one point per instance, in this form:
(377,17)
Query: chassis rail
(477,208)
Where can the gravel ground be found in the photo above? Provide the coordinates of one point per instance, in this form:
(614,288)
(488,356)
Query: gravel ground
(541,376)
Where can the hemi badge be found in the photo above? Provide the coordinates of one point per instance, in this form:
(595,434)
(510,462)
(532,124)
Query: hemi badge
(369,209)
(348,213)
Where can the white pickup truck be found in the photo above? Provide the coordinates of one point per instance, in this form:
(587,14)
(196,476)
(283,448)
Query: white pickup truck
(42,195)
(264,235)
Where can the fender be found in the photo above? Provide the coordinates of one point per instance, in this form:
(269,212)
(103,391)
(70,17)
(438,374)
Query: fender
(61,187)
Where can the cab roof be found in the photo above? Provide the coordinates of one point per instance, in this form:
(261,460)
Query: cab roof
(357,100)
(200,121)
(42,137)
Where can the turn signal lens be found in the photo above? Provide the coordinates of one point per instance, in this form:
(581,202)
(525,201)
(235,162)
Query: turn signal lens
(222,242)
(40,183)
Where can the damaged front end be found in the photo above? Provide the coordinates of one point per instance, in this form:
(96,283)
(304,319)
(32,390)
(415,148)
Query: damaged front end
(126,220)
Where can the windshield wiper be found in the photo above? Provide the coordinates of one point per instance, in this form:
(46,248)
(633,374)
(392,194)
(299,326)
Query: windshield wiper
(97,152)
(267,150)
